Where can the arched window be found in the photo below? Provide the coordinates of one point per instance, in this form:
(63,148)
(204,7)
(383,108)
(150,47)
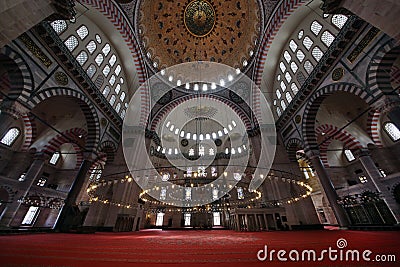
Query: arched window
(307,42)
(82,32)
(98,38)
(82,57)
(117,70)
(317,53)
(294,88)
(112,80)
(339,20)
(293,67)
(118,107)
(112,100)
(122,97)
(303,55)
(11,136)
(54,159)
(287,56)
(117,88)
(293,45)
(59,26)
(349,155)
(98,50)
(308,66)
(106,70)
(327,38)
(91,70)
(106,91)
(71,43)
(316,27)
(288,97)
(112,60)
(106,49)
(392,131)
(91,47)
(300,55)
(99,59)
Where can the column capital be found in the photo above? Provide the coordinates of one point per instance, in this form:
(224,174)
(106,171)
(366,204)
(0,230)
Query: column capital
(41,156)
(311,154)
(89,155)
(362,152)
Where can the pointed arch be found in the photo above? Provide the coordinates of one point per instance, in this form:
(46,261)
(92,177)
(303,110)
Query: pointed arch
(109,148)
(294,145)
(73,136)
(88,109)
(30,130)
(334,133)
(380,69)
(20,76)
(313,104)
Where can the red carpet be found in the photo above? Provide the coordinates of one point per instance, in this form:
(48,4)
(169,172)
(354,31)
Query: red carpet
(189,248)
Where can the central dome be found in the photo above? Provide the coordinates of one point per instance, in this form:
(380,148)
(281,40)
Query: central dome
(199,18)
(175,31)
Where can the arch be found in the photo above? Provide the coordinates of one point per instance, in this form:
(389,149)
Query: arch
(21,81)
(373,126)
(313,104)
(11,194)
(281,13)
(380,69)
(30,130)
(117,17)
(69,136)
(176,102)
(294,145)
(88,109)
(334,133)
(109,149)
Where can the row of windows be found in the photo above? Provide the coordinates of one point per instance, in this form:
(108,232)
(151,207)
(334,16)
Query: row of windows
(105,63)
(302,55)
(13,133)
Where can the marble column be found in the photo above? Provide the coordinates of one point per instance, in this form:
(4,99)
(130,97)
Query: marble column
(329,189)
(69,212)
(375,177)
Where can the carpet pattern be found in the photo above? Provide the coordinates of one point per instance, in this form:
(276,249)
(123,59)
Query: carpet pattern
(187,248)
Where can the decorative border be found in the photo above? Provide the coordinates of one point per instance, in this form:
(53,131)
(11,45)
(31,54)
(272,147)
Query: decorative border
(281,13)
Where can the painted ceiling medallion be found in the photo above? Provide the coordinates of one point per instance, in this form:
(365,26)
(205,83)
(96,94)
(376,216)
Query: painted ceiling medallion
(199,18)
(177,31)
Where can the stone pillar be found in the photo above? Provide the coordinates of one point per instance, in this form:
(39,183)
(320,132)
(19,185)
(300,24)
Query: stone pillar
(329,189)
(375,177)
(31,176)
(69,214)
(237,222)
